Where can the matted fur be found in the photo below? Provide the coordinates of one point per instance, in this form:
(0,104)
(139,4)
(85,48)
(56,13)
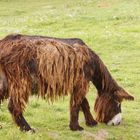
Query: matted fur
(57,66)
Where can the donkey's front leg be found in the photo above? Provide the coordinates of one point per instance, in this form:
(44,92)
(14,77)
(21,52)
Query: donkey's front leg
(74,114)
(18,116)
(88,116)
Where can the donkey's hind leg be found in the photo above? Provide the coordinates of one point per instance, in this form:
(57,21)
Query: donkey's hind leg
(74,115)
(18,116)
(88,116)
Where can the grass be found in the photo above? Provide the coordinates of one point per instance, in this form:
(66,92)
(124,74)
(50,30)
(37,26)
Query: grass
(111,28)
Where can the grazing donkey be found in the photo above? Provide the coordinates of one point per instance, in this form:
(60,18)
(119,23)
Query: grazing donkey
(58,67)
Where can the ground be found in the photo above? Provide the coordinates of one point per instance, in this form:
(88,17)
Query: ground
(109,27)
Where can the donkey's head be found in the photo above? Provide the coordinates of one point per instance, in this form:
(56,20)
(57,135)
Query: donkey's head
(108,106)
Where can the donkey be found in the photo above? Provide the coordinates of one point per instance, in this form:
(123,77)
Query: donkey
(58,67)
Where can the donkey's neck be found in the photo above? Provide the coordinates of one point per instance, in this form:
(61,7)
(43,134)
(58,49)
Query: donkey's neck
(101,77)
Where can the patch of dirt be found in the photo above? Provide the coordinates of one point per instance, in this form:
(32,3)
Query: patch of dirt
(100,135)
(53,135)
(88,135)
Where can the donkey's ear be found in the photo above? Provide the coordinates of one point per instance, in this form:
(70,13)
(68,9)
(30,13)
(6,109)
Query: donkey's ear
(122,94)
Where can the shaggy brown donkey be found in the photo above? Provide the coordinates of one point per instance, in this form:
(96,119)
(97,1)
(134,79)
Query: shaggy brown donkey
(58,67)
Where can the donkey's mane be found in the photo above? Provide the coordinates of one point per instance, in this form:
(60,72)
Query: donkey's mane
(102,78)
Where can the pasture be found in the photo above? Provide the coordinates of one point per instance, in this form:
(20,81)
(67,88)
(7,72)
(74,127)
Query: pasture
(112,29)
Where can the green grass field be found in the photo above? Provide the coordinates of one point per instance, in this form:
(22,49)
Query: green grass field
(112,29)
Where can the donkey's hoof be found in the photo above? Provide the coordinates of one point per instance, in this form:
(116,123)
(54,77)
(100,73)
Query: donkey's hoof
(91,123)
(32,131)
(80,128)
(76,128)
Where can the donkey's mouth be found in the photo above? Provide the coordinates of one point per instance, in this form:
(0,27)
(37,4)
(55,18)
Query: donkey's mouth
(116,120)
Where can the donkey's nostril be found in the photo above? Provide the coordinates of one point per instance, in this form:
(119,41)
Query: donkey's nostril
(119,123)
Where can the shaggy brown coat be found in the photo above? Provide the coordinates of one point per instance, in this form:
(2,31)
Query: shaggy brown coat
(53,64)
(59,67)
